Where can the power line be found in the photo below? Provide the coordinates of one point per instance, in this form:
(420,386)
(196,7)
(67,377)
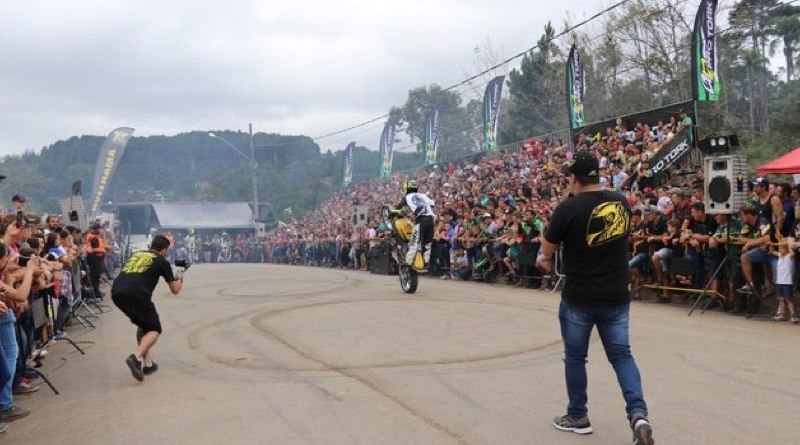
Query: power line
(471,86)
(471,78)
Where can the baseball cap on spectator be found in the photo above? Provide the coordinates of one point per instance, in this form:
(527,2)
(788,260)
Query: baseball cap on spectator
(584,164)
(17,198)
(761,181)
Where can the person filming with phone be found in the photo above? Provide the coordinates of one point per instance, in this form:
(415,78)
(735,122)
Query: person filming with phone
(132,293)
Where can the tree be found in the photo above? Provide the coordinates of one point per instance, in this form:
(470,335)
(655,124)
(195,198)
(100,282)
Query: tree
(750,26)
(786,27)
(456,121)
(538,100)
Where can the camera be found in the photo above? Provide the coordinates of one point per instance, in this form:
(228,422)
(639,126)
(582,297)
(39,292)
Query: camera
(182,263)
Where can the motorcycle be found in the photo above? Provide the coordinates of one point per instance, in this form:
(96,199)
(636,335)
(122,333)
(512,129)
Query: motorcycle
(401,228)
(225,249)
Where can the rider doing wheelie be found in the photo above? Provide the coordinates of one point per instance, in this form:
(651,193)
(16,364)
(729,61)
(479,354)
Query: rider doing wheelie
(421,207)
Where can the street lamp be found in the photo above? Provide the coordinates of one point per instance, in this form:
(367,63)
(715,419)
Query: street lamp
(252,161)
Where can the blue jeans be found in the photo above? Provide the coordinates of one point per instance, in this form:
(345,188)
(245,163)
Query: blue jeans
(8,359)
(612,324)
(698,269)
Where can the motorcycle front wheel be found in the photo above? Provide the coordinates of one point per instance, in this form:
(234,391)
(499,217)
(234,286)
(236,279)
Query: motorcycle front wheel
(408,279)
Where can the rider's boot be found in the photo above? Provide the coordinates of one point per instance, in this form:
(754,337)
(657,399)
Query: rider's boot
(412,252)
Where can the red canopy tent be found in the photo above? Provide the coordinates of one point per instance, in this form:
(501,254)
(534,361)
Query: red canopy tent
(786,164)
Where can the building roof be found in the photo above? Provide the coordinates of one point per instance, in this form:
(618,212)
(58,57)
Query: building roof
(204,215)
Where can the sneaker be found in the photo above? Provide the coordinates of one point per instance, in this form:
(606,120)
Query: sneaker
(147,370)
(569,423)
(778,317)
(25,388)
(642,432)
(59,335)
(13,413)
(136,367)
(39,353)
(746,289)
(795,320)
(3,427)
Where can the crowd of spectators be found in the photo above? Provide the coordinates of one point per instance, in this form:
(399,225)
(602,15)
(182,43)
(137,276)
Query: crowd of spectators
(43,266)
(492,209)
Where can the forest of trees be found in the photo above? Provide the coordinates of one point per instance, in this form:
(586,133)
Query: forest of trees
(636,58)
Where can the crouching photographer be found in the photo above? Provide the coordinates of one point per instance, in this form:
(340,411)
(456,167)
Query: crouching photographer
(132,293)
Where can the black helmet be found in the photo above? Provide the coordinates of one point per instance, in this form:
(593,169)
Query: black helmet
(410,186)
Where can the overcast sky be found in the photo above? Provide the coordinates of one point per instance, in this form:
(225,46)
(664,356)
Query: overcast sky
(293,67)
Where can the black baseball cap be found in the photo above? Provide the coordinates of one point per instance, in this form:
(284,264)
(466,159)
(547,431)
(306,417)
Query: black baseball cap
(584,164)
(761,181)
(17,198)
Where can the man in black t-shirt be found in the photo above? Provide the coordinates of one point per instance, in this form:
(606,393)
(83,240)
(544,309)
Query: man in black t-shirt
(132,293)
(592,228)
(702,226)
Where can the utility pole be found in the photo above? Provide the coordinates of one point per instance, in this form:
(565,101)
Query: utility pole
(253,167)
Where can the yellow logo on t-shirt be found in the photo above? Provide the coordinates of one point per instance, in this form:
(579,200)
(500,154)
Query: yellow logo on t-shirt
(139,262)
(609,221)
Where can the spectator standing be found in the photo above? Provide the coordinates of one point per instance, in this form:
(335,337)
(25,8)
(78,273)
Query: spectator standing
(784,284)
(785,195)
(95,257)
(11,298)
(687,124)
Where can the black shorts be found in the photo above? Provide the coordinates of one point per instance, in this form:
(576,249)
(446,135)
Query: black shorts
(141,311)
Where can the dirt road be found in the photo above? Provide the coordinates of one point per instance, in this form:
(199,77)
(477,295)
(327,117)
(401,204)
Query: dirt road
(257,354)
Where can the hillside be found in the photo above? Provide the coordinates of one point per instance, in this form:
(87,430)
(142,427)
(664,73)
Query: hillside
(292,172)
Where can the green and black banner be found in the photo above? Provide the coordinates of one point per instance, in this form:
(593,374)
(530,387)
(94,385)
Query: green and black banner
(347,164)
(107,161)
(705,76)
(576,88)
(431,143)
(387,147)
(491,110)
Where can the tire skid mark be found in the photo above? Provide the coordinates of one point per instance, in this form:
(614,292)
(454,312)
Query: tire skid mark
(258,318)
(715,372)
(375,387)
(351,372)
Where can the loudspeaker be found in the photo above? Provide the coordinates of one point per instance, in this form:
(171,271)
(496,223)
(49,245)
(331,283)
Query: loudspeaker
(718,145)
(360,216)
(724,184)
(380,261)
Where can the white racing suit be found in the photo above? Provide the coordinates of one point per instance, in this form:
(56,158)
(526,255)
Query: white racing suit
(422,235)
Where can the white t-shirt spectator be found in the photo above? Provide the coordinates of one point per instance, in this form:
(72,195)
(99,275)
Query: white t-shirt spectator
(785,269)
(664,203)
